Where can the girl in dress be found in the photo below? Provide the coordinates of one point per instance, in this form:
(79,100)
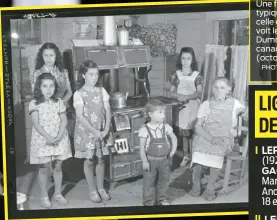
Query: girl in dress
(214,134)
(186,85)
(49,140)
(49,60)
(93,119)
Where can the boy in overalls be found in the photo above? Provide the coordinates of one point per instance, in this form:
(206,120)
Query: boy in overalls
(155,152)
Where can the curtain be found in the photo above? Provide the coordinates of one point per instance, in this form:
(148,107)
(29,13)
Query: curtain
(239,72)
(213,66)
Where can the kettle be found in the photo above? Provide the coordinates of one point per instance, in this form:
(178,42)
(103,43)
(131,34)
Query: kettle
(119,100)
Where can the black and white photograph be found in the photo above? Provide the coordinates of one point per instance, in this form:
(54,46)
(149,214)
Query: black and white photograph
(130,110)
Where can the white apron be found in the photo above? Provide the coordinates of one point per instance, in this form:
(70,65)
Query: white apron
(187,115)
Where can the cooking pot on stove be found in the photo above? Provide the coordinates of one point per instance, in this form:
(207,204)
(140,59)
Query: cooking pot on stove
(119,100)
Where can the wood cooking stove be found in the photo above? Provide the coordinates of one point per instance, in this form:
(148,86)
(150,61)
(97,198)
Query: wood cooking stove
(126,163)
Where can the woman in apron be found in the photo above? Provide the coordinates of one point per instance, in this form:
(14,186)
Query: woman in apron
(214,135)
(186,86)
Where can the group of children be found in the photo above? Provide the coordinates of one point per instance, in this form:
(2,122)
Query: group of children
(50,144)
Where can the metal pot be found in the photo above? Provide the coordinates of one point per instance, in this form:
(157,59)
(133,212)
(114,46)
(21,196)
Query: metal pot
(119,100)
(123,37)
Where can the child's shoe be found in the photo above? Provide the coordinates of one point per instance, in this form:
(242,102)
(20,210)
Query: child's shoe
(94,196)
(60,199)
(104,195)
(209,195)
(165,202)
(45,202)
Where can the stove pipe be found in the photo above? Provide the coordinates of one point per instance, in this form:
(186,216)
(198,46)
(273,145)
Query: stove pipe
(110,79)
(110,35)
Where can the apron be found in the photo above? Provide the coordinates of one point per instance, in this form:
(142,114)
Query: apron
(218,123)
(94,112)
(187,115)
(158,147)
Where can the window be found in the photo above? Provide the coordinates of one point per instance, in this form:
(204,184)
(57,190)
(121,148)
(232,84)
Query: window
(28,31)
(233,32)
